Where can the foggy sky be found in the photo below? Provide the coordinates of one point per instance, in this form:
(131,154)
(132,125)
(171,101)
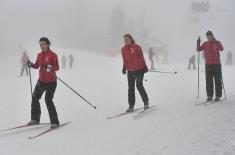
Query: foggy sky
(86,23)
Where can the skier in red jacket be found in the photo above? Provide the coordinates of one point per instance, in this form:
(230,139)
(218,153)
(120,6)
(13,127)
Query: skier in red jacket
(134,63)
(47,62)
(212,49)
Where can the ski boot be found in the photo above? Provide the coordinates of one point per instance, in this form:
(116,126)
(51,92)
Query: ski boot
(54,126)
(130,109)
(33,122)
(217,99)
(209,99)
(146,106)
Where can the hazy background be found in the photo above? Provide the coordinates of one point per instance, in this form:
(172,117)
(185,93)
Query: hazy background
(92,31)
(99,25)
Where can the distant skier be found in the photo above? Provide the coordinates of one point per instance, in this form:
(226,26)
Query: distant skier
(71,60)
(47,62)
(229,59)
(165,56)
(192,62)
(63,60)
(212,49)
(24,65)
(194,6)
(151,55)
(134,64)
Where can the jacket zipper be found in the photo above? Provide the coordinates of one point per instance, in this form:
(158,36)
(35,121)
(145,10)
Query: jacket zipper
(43,69)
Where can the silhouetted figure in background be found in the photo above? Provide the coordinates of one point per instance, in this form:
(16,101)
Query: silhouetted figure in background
(165,57)
(192,62)
(151,55)
(24,66)
(71,60)
(63,60)
(229,60)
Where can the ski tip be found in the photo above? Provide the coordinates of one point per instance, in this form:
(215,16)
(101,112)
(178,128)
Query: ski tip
(176,72)
(61,125)
(69,122)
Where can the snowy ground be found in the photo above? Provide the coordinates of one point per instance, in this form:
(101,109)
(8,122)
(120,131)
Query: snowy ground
(176,127)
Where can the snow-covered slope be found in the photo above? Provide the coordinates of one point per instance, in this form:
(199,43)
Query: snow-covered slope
(175,127)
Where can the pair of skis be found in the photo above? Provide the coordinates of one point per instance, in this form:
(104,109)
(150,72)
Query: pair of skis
(47,131)
(52,129)
(207,103)
(38,135)
(135,110)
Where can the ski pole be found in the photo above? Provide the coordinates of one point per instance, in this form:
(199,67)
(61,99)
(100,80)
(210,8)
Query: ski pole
(222,79)
(198,75)
(225,96)
(75,92)
(156,71)
(30,80)
(198,69)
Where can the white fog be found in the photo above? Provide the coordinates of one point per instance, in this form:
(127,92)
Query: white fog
(161,102)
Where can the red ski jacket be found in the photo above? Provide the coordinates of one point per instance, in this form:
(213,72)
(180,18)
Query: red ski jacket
(133,59)
(44,59)
(211,50)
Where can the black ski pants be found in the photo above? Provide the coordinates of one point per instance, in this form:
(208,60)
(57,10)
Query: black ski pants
(40,88)
(138,80)
(213,75)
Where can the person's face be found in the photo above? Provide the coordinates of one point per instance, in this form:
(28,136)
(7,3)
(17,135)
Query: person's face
(44,46)
(210,38)
(127,40)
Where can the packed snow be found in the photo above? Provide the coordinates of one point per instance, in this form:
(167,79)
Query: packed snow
(93,32)
(175,127)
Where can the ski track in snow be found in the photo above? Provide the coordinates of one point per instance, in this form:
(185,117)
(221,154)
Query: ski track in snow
(175,127)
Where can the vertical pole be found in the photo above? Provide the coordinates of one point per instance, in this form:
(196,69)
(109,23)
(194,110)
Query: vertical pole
(198,75)
(222,79)
(30,80)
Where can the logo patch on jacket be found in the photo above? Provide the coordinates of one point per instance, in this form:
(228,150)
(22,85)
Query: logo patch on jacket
(132,50)
(46,59)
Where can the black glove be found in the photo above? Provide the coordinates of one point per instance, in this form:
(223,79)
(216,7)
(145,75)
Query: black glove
(29,63)
(124,70)
(199,41)
(146,69)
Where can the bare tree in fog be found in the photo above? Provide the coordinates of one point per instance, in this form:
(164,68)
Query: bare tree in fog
(117,25)
(131,27)
(144,32)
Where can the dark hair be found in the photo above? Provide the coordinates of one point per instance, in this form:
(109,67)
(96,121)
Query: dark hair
(46,40)
(209,33)
(129,36)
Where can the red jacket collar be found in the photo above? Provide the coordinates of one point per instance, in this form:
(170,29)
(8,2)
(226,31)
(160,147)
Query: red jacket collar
(48,51)
(131,45)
